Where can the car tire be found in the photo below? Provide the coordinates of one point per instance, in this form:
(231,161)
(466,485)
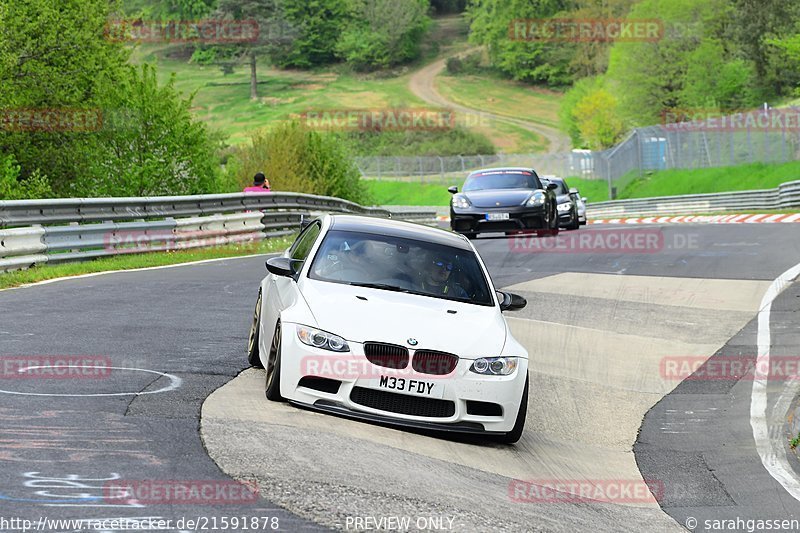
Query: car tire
(252,341)
(575,224)
(272,386)
(519,425)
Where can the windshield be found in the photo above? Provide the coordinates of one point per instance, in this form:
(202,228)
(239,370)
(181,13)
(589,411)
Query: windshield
(405,265)
(506,179)
(562,188)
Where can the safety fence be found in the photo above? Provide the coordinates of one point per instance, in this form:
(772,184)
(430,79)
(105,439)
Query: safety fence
(760,136)
(785,196)
(74,229)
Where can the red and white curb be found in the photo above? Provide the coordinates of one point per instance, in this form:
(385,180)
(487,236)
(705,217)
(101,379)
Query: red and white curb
(704,219)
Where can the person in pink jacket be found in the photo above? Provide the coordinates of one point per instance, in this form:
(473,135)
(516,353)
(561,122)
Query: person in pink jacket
(260,184)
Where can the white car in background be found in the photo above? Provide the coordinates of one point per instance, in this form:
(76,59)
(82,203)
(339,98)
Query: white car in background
(581,200)
(390,322)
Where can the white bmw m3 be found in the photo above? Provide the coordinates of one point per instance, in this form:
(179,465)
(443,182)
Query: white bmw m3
(390,322)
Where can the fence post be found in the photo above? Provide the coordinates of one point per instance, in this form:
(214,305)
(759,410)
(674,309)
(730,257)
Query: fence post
(421,174)
(378,158)
(441,167)
(462,163)
(481,158)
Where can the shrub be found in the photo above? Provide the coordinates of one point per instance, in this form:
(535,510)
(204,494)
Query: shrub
(297,159)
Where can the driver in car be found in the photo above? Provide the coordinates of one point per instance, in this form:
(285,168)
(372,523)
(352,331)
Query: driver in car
(437,279)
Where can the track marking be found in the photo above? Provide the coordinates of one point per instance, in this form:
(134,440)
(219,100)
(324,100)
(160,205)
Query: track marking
(774,461)
(175,382)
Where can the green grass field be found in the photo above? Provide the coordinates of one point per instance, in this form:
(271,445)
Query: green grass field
(664,183)
(223,100)
(502,97)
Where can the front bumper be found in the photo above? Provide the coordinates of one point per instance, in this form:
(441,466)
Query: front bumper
(462,391)
(475,219)
(566,218)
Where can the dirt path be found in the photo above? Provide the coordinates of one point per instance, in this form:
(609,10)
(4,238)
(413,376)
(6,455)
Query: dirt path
(422,84)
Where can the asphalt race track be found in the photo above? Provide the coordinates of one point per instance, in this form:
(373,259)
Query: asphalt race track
(604,408)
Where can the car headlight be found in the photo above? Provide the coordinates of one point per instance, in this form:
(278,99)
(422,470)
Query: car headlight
(321,339)
(564,207)
(460,201)
(536,198)
(494,366)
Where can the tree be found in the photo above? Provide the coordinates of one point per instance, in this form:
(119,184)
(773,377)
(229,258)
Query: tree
(649,77)
(383,33)
(150,144)
(597,118)
(318,26)
(566,112)
(54,57)
(534,61)
(729,89)
(273,31)
(755,26)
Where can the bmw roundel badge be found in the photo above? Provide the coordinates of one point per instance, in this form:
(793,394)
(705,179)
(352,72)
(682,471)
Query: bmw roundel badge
(412,342)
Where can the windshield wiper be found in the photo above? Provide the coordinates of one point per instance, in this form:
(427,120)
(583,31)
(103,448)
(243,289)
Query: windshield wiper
(383,286)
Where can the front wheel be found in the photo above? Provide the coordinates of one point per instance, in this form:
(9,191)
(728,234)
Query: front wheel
(519,425)
(575,224)
(272,387)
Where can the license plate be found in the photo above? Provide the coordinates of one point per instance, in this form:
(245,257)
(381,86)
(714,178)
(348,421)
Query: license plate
(414,387)
(497,216)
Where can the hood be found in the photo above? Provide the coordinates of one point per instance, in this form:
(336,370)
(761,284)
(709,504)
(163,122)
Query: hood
(563,199)
(394,317)
(503,197)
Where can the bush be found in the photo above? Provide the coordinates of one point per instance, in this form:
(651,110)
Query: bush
(149,144)
(383,33)
(298,159)
(12,188)
(457,141)
(469,64)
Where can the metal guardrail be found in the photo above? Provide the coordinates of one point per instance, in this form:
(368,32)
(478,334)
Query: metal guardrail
(99,227)
(785,196)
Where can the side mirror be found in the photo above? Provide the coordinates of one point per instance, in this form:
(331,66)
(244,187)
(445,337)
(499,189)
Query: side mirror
(573,190)
(584,199)
(282,266)
(452,190)
(552,186)
(511,302)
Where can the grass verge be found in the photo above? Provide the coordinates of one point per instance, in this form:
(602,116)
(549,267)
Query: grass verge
(135,261)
